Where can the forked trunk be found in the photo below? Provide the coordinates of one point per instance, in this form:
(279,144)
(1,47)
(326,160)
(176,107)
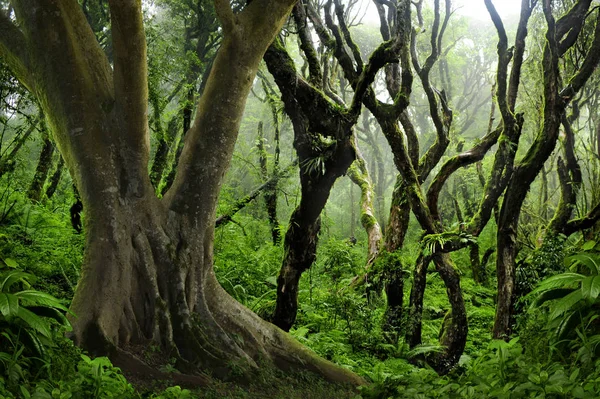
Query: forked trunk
(148,275)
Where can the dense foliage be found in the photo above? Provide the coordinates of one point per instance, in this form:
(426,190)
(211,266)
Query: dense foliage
(550,347)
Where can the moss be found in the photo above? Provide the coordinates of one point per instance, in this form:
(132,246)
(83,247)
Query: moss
(368,221)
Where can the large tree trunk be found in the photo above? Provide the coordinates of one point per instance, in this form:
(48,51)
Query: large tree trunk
(148,276)
(301,239)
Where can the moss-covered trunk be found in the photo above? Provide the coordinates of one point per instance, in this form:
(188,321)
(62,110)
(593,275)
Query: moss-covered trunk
(147,276)
(36,188)
(301,239)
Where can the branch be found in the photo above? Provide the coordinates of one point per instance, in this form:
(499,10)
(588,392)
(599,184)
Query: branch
(339,11)
(519,51)
(225,15)
(306,45)
(130,70)
(571,24)
(504,57)
(587,68)
(583,223)
(462,160)
(210,141)
(240,204)
(13,50)
(324,117)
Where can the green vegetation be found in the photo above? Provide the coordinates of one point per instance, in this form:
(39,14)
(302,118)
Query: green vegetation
(433,233)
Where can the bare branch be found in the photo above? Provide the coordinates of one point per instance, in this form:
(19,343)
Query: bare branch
(306,44)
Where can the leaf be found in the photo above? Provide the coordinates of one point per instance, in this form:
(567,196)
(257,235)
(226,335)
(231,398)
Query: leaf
(13,277)
(590,287)
(272,280)
(9,305)
(41,298)
(34,321)
(11,262)
(557,281)
(588,245)
(553,294)
(51,313)
(565,304)
(591,261)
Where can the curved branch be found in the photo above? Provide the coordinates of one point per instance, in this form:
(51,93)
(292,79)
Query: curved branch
(13,50)
(587,68)
(462,160)
(519,51)
(306,45)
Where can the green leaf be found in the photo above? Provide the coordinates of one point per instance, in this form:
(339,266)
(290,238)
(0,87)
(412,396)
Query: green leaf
(553,294)
(51,313)
(13,277)
(591,261)
(34,321)
(10,262)
(9,305)
(40,298)
(557,281)
(272,280)
(565,304)
(590,287)
(588,245)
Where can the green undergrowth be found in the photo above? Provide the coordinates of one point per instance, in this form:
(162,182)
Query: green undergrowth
(340,323)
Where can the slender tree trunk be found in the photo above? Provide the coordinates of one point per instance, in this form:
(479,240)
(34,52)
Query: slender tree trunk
(270,193)
(359,175)
(415,316)
(55,178)
(393,276)
(36,188)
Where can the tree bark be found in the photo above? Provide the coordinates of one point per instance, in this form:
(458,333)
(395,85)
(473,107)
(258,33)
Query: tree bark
(55,178)
(555,102)
(270,193)
(148,272)
(36,188)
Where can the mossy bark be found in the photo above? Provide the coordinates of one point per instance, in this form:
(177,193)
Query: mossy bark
(148,276)
(36,188)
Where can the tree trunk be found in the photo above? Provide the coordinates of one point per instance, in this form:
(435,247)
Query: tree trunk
(55,178)
(555,102)
(270,193)
(41,172)
(300,243)
(359,175)
(393,276)
(415,311)
(147,277)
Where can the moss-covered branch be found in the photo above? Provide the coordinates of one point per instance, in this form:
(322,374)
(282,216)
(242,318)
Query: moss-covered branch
(241,203)
(13,50)
(359,175)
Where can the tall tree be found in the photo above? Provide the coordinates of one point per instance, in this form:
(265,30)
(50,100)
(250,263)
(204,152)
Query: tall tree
(148,271)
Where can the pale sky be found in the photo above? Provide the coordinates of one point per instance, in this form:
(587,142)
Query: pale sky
(470,8)
(476,8)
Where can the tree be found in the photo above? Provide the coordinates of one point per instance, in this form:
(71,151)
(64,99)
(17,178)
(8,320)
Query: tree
(148,270)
